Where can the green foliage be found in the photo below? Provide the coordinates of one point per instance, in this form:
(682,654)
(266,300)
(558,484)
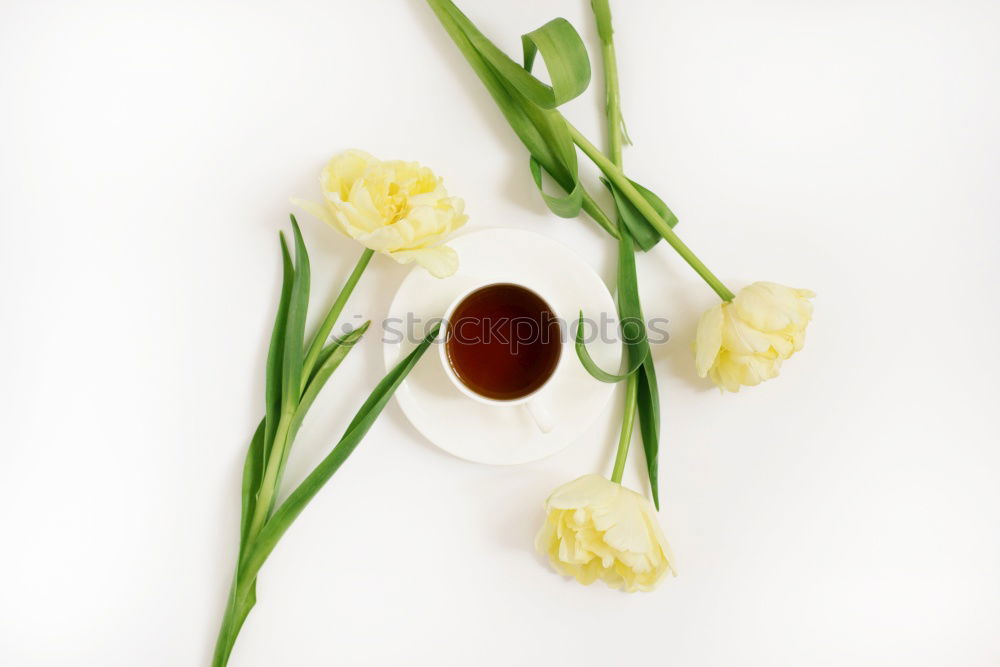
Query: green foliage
(529,104)
(290,390)
(647,396)
(596,371)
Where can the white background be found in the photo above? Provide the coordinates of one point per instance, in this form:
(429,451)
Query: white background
(845,513)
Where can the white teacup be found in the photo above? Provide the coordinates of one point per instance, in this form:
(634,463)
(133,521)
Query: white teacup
(533,401)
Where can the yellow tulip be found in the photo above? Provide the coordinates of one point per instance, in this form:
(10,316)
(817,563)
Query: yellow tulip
(598,529)
(397,208)
(743,342)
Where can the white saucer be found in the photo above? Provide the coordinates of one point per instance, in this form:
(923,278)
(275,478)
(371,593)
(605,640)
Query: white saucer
(503,434)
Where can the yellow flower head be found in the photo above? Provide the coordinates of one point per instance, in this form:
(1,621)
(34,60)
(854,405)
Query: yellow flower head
(393,207)
(743,342)
(598,529)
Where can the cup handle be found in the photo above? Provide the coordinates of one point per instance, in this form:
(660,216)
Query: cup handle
(540,414)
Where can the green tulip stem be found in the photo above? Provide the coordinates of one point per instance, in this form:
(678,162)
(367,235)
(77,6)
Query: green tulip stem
(269,483)
(621,181)
(602,11)
(628,419)
(263,540)
(613,105)
(319,340)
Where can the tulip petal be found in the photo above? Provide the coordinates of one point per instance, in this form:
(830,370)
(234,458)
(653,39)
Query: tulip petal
(764,324)
(709,339)
(343,170)
(394,207)
(597,529)
(440,261)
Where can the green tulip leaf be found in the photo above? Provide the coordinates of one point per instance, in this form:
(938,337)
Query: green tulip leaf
(596,371)
(647,399)
(526,103)
(295,327)
(642,231)
(327,364)
(566,206)
(565,58)
(297,501)
(273,375)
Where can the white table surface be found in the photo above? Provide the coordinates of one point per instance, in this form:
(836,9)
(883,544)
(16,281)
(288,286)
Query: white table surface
(846,513)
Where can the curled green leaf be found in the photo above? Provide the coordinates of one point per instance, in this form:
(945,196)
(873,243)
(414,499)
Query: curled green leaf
(635,361)
(565,58)
(566,206)
(528,104)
